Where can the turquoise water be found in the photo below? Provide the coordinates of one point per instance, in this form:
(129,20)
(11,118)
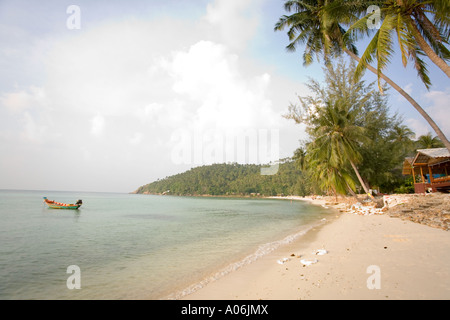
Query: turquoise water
(135,246)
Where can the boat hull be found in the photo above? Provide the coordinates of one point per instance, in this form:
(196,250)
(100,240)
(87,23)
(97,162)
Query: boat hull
(58,205)
(74,207)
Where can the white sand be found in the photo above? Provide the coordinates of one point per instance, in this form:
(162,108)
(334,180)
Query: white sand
(413,261)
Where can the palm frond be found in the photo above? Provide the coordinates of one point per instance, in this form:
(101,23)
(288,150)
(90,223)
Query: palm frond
(404,40)
(434,37)
(384,45)
(367,56)
(421,67)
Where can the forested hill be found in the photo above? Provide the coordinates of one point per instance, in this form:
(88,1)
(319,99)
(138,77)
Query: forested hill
(231,179)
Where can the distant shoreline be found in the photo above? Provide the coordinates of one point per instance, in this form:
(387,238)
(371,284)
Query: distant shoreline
(202,195)
(318,199)
(325,201)
(256,196)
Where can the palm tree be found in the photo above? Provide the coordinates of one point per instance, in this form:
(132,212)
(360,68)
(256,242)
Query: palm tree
(335,142)
(329,178)
(429,36)
(402,137)
(402,134)
(415,33)
(315,24)
(299,158)
(426,141)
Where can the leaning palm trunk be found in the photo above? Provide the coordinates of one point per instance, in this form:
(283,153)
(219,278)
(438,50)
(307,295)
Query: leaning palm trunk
(361,181)
(430,121)
(428,50)
(350,190)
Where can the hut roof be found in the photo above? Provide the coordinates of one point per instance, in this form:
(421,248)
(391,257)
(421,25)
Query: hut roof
(407,165)
(431,156)
(426,157)
(435,152)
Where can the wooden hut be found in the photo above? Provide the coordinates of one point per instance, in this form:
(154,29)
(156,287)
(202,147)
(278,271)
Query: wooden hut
(430,169)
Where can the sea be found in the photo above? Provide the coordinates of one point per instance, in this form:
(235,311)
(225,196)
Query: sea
(133,246)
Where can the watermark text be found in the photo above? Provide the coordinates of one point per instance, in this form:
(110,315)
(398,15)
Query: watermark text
(74,280)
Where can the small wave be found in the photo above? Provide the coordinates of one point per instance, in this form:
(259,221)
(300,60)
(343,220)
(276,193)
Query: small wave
(260,252)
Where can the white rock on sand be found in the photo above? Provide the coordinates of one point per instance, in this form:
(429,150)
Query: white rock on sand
(308,262)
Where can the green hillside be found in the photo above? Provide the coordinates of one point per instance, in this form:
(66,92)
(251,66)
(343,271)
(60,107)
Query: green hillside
(231,179)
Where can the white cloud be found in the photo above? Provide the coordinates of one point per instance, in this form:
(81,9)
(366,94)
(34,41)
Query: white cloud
(98,125)
(408,88)
(212,80)
(203,69)
(436,104)
(236,21)
(26,113)
(150,111)
(136,139)
(439,109)
(20,100)
(419,127)
(32,131)
(16,101)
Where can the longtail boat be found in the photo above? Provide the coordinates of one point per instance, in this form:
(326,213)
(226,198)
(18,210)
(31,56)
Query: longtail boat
(58,205)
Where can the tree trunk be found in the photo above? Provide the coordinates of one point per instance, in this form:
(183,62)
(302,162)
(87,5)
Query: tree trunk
(430,121)
(352,192)
(361,181)
(428,50)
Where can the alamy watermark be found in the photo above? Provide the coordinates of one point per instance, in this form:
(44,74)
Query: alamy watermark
(374,21)
(374,280)
(73,22)
(249,146)
(74,280)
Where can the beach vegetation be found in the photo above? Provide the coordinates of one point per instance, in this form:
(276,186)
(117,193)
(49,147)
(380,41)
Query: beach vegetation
(407,186)
(233,179)
(355,141)
(427,141)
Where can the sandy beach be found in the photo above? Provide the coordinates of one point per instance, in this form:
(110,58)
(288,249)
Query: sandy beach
(372,256)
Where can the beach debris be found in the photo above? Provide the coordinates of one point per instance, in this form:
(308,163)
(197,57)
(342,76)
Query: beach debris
(282,261)
(308,262)
(429,209)
(320,252)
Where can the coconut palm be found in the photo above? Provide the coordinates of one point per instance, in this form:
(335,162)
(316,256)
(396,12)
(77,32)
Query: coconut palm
(315,23)
(299,158)
(402,136)
(415,33)
(335,142)
(329,178)
(402,133)
(427,141)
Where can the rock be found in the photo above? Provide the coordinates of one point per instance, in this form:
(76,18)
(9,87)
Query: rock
(320,252)
(430,210)
(308,262)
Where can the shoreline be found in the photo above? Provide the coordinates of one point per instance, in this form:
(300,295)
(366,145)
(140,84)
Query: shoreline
(368,255)
(263,250)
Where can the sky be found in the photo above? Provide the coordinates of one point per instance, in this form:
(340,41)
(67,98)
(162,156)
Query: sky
(110,95)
